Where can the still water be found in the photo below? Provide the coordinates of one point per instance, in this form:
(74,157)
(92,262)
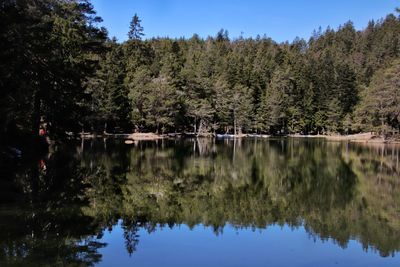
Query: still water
(250,202)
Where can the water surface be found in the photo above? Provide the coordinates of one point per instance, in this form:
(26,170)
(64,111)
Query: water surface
(250,202)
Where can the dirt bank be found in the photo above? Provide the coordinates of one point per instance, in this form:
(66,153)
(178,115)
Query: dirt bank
(357,138)
(145,136)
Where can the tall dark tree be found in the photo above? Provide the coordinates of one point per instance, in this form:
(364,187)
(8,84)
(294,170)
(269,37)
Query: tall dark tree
(135,29)
(48,51)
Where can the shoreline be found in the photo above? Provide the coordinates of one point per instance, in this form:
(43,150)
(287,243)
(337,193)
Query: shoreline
(353,138)
(369,138)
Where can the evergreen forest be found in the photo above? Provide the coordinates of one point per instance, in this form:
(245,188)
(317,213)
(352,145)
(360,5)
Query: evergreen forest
(59,67)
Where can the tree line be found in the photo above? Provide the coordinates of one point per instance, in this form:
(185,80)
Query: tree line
(58,67)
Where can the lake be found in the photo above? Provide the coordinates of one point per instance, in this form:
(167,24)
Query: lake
(205,202)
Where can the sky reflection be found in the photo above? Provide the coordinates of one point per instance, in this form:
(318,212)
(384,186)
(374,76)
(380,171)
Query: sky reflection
(201,246)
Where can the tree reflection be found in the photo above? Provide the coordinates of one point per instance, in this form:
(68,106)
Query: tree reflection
(336,191)
(41,219)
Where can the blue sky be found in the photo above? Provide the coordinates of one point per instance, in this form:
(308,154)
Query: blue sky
(282,20)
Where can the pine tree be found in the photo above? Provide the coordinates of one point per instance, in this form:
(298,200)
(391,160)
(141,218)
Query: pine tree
(222,103)
(242,108)
(276,102)
(139,88)
(135,29)
(160,105)
(380,105)
(346,88)
(110,96)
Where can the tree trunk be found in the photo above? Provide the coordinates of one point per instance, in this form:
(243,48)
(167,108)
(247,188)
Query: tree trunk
(36,115)
(234,123)
(199,130)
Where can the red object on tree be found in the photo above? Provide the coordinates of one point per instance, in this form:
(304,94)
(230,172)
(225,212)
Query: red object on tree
(42,132)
